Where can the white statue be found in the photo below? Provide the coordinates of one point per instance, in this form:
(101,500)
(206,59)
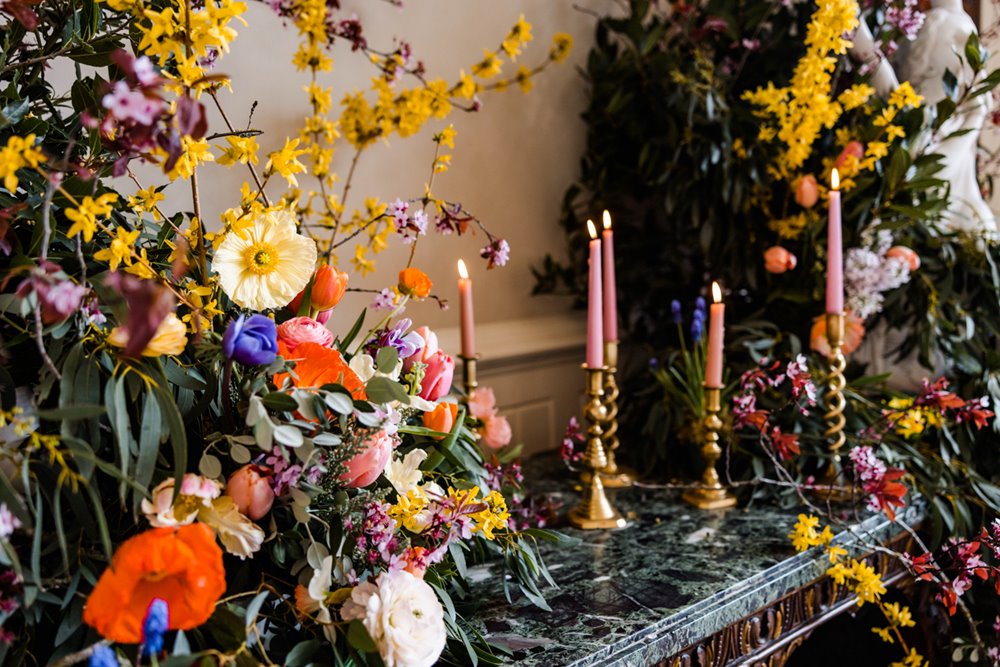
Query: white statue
(923,63)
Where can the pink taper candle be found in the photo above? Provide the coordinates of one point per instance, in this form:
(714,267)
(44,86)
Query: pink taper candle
(465,305)
(595,330)
(834,251)
(716,319)
(610,291)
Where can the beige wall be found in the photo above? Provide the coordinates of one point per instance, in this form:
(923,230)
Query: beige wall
(512,163)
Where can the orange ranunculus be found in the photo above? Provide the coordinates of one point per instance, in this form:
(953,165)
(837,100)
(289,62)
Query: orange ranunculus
(415,283)
(182,566)
(854,333)
(328,287)
(441,418)
(317,365)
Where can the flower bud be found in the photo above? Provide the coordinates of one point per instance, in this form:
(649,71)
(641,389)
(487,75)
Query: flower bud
(328,287)
(250,489)
(441,418)
(779,260)
(806,191)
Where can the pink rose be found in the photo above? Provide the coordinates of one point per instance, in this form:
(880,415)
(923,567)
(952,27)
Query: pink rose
(427,351)
(496,432)
(300,330)
(250,489)
(368,463)
(437,377)
(482,403)
(806,191)
(911,258)
(779,260)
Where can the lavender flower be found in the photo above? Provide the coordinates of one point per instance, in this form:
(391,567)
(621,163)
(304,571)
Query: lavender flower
(675,311)
(103,656)
(154,626)
(406,344)
(697,325)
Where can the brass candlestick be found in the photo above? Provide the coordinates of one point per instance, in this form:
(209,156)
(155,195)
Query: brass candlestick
(594,509)
(469,374)
(711,495)
(835,401)
(612,475)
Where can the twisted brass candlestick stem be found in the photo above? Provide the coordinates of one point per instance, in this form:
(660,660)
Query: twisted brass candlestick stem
(711,494)
(834,399)
(612,475)
(594,509)
(469,374)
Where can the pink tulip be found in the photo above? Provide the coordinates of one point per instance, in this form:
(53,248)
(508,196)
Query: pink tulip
(806,191)
(427,351)
(496,432)
(368,463)
(437,377)
(854,149)
(779,260)
(250,489)
(911,258)
(300,330)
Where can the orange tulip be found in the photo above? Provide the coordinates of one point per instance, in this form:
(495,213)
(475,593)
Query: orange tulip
(854,333)
(328,287)
(182,566)
(779,260)
(317,365)
(441,418)
(414,282)
(806,191)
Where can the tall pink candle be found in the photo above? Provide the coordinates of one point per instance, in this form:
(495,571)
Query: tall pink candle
(465,306)
(716,319)
(595,330)
(610,291)
(834,251)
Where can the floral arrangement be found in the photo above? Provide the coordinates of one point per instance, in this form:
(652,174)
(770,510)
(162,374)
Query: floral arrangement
(193,462)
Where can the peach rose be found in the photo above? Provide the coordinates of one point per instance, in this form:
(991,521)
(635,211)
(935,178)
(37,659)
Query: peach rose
(854,333)
(482,403)
(368,463)
(496,432)
(300,330)
(779,260)
(438,376)
(908,255)
(250,489)
(806,191)
(442,418)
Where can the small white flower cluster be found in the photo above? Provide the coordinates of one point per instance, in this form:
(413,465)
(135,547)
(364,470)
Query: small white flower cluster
(869,273)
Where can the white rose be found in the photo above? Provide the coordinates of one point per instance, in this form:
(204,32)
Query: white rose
(402,615)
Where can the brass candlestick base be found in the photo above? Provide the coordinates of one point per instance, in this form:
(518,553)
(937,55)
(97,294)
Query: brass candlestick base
(613,476)
(595,510)
(834,399)
(711,495)
(469,380)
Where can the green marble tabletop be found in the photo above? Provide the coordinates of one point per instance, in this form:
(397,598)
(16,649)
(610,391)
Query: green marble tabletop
(673,576)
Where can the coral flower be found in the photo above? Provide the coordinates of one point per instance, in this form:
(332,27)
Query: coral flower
(907,255)
(317,365)
(266,264)
(854,333)
(181,566)
(806,191)
(415,283)
(778,260)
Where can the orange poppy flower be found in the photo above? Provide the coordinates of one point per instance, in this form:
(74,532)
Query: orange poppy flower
(317,365)
(182,566)
(414,282)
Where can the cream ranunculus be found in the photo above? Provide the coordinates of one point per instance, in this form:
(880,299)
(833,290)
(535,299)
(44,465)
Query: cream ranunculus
(170,337)
(266,264)
(403,616)
(404,473)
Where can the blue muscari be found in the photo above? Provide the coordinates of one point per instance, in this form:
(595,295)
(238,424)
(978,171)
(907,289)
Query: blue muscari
(154,627)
